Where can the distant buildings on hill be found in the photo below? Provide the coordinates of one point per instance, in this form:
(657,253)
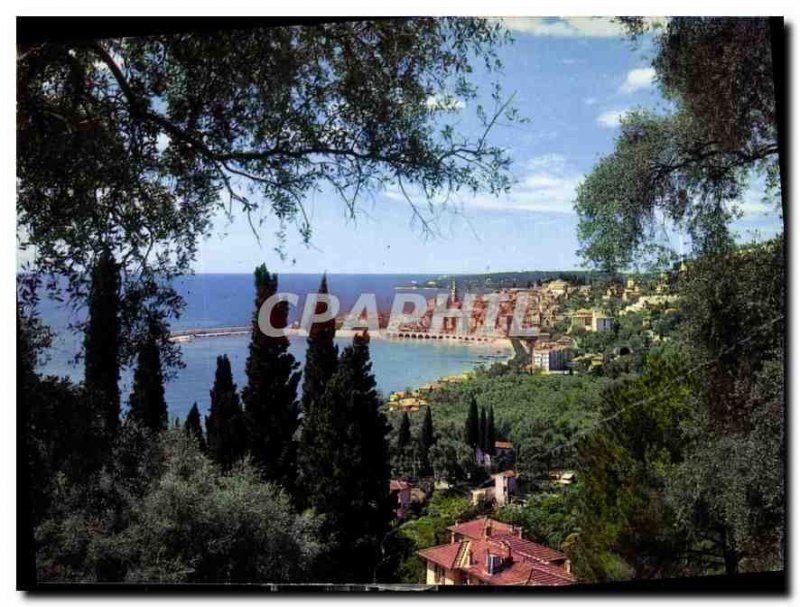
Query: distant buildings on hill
(592,320)
(498,491)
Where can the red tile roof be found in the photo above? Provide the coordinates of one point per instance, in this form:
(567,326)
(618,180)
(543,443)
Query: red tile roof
(523,574)
(476,529)
(444,555)
(523,562)
(528,550)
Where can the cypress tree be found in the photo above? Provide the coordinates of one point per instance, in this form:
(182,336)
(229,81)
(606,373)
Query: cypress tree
(146,405)
(270,397)
(193,427)
(482,430)
(353,495)
(404,432)
(471,425)
(490,432)
(426,440)
(404,458)
(225,422)
(317,440)
(321,355)
(101,349)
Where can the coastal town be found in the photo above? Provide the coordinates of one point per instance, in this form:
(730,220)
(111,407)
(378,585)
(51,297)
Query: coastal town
(568,320)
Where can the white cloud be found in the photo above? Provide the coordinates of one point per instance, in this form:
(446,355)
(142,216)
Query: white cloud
(569,27)
(611,118)
(639,78)
(547,185)
(434,102)
(590,100)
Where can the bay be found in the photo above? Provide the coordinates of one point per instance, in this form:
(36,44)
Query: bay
(225,300)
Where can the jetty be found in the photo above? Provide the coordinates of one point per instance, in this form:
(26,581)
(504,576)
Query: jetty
(191,334)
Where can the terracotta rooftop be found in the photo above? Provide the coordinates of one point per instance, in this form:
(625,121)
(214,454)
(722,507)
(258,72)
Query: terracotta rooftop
(476,529)
(528,550)
(518,572)
(444,555)
(521,562)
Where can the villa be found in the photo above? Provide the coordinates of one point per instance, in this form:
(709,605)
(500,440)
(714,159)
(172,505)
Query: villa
(487,552)
(592,320)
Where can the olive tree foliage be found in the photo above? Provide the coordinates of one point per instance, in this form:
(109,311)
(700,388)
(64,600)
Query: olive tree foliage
(136,143)
(690,165)
(182,521)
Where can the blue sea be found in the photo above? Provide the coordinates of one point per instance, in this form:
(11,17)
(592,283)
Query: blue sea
(225,300)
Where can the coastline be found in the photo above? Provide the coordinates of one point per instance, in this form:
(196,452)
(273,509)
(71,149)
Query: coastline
(188,335)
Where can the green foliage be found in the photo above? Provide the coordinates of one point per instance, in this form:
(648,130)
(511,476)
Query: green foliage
(535,412)
(102,345)
(270,396)
(685,475)
(451,459)
(349,458)
(690,165)
(489,432)
(623,466)
(199,525)
(225,427)
(404,433)
(482,430)
(193,524)
(634,337)
(136,143)
(194,428)
(64,434)
(404,453)
(729,491)
(78,540)
(317,438)
(746,120)
(734,312)
(545,518)
(472,425)
(147,406)
(426,441)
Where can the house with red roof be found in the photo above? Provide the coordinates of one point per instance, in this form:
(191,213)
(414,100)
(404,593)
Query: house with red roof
(488,552)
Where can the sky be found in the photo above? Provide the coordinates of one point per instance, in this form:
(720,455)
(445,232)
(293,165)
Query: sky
(572,79)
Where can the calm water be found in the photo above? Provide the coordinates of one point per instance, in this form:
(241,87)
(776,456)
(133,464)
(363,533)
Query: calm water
(220,300)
